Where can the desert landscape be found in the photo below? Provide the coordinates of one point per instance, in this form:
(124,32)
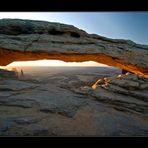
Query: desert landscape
(56,101)
(71,101)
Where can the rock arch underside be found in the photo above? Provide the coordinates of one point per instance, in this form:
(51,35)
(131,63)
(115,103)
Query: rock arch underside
(26,40)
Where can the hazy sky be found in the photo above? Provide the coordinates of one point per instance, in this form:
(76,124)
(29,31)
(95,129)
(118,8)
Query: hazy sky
(118,25)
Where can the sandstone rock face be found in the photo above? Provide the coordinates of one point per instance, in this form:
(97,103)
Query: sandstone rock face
(24,40)
(129,92)
(65,104)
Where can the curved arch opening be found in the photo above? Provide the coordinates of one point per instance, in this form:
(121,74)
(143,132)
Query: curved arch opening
(55,63)
(39,67)
(9,57)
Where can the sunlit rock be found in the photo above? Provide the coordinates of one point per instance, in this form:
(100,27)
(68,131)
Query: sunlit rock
(101,82)
(125,92)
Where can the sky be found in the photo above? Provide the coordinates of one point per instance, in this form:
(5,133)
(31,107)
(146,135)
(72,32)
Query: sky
(116,25)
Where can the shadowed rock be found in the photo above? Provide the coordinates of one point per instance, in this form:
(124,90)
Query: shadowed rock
(64,104)
(7,74)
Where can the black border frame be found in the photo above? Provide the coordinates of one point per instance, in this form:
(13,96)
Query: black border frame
(73,6)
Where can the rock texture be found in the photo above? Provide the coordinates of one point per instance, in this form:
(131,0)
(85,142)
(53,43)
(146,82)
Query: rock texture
(88,103)
(125,92)
(66,104)
(23,40)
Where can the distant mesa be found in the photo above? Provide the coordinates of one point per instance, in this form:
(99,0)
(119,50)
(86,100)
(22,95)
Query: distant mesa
(28,40)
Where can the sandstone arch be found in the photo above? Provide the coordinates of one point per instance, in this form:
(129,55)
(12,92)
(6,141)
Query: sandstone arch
(24,40)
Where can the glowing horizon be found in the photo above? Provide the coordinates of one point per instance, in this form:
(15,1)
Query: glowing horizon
(55,63)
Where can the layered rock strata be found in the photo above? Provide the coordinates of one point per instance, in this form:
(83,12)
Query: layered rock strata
(26,40)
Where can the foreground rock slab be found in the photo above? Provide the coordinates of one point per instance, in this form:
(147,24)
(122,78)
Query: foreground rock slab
(65,104)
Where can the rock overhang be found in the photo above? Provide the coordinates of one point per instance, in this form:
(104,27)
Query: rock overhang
(26,40)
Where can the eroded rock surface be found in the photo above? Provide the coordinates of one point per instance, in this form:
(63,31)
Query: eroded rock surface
(66,104)
(125,92)
(24,40)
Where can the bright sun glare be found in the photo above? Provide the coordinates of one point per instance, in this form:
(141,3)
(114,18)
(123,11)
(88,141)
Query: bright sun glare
(55,63)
